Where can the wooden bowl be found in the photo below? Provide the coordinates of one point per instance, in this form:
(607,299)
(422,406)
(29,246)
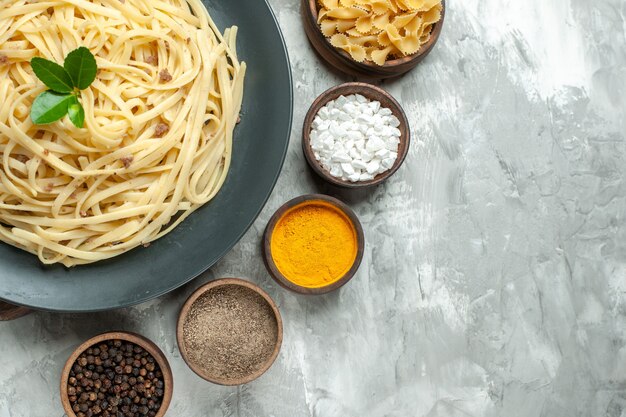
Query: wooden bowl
(342,61)
(183,316)
(10,312)
(267,247)
(139,340)
(372,93)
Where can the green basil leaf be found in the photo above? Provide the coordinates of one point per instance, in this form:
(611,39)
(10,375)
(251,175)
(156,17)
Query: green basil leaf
(52,75)
(49,107)
(76,112)
(81,65)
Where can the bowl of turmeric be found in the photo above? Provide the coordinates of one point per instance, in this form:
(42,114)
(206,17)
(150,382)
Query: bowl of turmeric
(313,244)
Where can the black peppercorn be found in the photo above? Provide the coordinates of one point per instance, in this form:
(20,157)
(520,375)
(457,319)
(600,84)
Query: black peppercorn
(115,379)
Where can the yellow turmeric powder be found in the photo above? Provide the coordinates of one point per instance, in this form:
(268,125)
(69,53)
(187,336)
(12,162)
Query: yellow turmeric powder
(314,244)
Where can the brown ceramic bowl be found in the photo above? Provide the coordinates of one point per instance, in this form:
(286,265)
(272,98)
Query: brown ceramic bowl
(343,62)
(185,311)
(372,93)
(267,247)
(146,344)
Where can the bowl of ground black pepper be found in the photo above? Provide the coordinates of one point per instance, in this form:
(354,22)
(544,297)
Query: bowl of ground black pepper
(116,374)
(229,332)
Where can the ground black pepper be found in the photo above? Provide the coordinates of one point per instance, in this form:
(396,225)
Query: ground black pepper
(115,379)
(230,332)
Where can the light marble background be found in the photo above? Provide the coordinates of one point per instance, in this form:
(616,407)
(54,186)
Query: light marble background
(494,278)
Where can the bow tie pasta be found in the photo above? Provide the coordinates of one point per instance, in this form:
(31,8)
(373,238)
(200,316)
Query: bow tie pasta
(378,30)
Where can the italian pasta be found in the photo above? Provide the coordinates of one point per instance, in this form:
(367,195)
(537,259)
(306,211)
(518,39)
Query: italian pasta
(376,30)
(159,122)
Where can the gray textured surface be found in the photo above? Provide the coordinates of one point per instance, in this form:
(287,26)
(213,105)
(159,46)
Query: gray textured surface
(494,279)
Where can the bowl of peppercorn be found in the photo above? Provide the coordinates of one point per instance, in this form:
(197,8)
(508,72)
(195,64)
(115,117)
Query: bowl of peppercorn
(116,374)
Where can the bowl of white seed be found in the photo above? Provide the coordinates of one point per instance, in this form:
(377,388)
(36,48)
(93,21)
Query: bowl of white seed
(355,135)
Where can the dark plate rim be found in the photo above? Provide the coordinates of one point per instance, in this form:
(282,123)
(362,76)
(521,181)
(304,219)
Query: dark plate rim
(231,244)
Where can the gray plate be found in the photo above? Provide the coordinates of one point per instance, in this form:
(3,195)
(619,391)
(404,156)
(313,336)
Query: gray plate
(261,141)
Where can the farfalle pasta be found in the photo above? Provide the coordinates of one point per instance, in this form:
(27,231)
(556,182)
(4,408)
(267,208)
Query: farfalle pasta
(378,30)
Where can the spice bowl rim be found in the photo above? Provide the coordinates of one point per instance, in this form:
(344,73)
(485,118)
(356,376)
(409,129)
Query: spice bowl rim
(371,92)
(135,338)
(267,247)
(343,62)
(184,312)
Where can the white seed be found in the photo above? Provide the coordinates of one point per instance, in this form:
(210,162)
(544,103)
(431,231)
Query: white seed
(374,144)
(359,164)
(355,139)
(373,166)
(347,168)
(388,163)
(341,157)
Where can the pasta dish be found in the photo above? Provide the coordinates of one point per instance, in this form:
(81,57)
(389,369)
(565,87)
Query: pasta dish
(158,124)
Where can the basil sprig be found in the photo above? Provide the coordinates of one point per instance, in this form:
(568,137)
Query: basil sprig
(64,83)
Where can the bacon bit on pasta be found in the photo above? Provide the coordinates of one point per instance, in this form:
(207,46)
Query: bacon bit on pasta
(152,60)
(145,245)
(73,196)
(161,129)
(4,59)
(165,76)
(238,119)
(49,187)
(22,158)
(122,1)
(188,40)
(46,152)
(83,214)
(127,160)
(50,10)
